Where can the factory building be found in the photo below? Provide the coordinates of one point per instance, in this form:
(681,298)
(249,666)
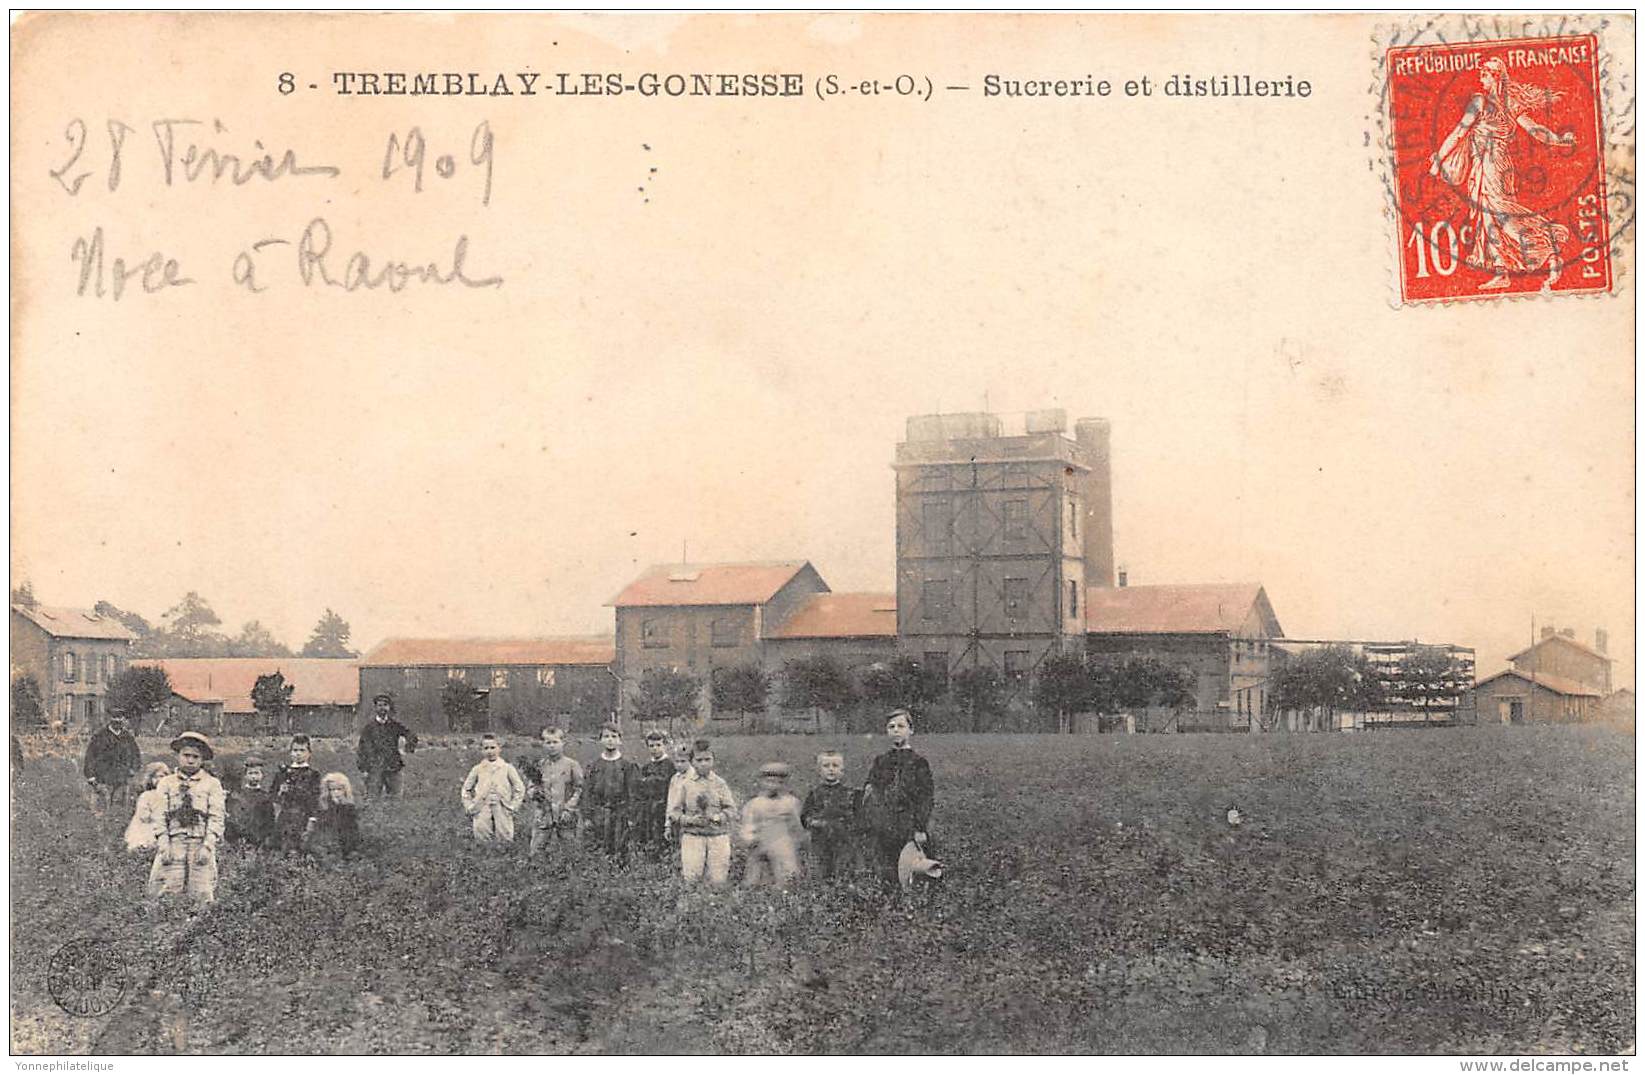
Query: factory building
(999,535)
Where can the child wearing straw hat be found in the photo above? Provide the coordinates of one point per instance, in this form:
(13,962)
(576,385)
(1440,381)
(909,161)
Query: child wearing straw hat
(185,860)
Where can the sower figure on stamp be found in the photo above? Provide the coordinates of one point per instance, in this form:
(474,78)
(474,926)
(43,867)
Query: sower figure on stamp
(1476,160)
(112,759)
(378,755)
(185,862)
(896,801)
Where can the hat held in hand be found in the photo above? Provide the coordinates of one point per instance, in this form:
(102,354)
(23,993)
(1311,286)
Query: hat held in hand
(913,863)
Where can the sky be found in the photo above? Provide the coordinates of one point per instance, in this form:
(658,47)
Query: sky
(718,356)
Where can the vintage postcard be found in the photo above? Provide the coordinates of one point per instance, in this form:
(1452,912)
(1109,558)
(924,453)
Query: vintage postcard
(822,533)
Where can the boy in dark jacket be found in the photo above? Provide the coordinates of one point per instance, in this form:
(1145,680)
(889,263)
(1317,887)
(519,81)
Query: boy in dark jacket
(296,793)
(112,758)
(896,802)
(830,815)
(378,755)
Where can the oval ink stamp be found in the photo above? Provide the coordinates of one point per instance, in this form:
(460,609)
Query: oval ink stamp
(86,979)
(1498,167)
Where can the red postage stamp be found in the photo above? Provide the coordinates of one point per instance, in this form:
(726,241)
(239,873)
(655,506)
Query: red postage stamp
(1498,154)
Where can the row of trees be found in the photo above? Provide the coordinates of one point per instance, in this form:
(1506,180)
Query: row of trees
(1335,679)
(190,629)
(973,698)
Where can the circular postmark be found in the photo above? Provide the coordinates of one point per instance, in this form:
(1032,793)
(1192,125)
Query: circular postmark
(85,978)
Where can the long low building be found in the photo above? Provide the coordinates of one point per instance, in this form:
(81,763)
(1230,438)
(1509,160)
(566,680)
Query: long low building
(216,692)
(514,684)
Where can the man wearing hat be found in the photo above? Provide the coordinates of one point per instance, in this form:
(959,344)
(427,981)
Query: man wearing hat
(378,755)
(185,860)
(112,759)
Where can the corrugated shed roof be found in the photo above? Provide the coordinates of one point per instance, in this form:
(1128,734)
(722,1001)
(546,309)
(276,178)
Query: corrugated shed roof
(708,584)
(419,652)
(73,622)
(318,680)
(1557,684)
(1190,609)
(842,615)
(1582,646)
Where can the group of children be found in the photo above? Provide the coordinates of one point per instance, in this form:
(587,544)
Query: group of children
(673,804)
(184,814)
(676,803)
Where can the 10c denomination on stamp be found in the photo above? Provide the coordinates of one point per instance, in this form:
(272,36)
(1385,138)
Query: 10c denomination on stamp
(1498,168)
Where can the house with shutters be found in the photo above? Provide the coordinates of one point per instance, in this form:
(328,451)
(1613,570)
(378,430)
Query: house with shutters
(72,653)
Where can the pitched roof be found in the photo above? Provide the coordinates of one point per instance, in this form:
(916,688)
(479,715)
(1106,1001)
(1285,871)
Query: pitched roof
(1583,646)
(73,622)
(842,615)
(1557,684)
(1189,609)
(709,584)
(420,652)
(318,680)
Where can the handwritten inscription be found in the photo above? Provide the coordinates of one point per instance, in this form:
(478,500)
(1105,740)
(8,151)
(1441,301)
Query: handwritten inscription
(193,153)
(196,160)
(153,274)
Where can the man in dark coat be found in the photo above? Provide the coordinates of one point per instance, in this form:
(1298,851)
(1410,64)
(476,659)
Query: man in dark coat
(896,801)
(378,755)
(112,758)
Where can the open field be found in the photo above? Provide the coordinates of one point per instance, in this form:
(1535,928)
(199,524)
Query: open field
(1465,890)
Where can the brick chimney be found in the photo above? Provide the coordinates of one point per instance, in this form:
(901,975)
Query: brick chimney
(1602,639)
(1098,502)
(1122,578)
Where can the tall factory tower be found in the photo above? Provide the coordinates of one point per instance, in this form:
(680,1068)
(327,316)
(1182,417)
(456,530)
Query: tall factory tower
(998,537)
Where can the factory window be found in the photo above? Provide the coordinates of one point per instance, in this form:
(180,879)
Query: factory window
(108,666)
(414,679)
(936,520)
(935,665)
(725,631)
(936,599)
(1073,519)
(1016,664)
(1016,520)
(654,634)
(499,678)
(68,666)
(545,677)
(1073,598)
(1016,598)
(459,675)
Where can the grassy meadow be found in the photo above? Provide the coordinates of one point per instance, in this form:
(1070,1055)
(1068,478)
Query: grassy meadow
(1458,890)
